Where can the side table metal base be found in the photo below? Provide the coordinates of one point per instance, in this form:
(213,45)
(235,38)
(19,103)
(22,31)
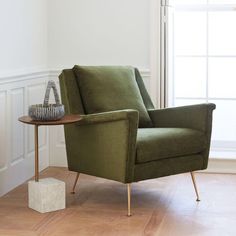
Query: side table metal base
(46,195)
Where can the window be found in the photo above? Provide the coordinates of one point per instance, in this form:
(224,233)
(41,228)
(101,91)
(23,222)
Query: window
(203,64)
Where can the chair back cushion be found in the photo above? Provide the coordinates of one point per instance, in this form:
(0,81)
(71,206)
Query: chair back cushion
(109,88)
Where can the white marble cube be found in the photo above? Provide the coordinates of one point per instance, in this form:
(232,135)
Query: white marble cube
(46,195)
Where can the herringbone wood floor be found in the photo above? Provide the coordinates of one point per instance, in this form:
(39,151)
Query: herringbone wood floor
(163,207)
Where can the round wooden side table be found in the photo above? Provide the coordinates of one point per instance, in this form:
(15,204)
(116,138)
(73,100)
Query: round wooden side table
(47,194)
(67,119)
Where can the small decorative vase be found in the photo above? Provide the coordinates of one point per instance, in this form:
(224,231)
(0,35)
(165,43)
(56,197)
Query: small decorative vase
(47,111)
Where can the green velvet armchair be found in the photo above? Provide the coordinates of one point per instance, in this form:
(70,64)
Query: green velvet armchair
(122,137)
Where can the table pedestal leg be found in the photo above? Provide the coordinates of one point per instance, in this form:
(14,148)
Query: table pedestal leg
(36,150)
(48,194)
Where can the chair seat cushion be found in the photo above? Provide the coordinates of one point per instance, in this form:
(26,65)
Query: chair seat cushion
(109,88)
(159,143)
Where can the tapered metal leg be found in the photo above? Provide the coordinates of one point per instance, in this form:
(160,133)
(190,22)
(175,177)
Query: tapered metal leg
(76,180)
(36,150)
(195,186)
(129,198)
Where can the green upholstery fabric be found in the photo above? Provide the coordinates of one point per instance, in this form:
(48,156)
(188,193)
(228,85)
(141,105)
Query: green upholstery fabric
(110,144)
(70,91)
(168,166)
(198,117)
(109,88)
(159,143)
(103,145)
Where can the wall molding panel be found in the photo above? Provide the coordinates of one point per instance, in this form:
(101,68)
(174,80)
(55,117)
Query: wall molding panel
(3,133)
(16,128)
(17,139)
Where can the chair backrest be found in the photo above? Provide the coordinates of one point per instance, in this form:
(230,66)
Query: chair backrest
(93,89)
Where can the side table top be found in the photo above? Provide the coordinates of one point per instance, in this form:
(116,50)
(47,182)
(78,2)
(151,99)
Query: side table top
(67,119)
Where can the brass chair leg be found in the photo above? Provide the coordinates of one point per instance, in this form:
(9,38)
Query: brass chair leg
(129,198)
(195,186)
(76,180)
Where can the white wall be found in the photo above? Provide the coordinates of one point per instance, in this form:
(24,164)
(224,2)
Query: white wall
(99,32)
(23,36)
(23,57)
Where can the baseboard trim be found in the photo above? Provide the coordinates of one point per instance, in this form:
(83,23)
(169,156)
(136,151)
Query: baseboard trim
(221,166)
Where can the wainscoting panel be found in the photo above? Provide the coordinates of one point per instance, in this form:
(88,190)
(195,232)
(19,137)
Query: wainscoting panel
(3,133)
(16,128)
(17,92)
(57,147)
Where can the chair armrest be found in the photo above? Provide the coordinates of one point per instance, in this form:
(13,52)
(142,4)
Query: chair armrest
(197,117)
(103,144)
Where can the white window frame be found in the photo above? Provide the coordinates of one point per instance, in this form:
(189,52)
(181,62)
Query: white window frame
(216,165)
(220,149)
